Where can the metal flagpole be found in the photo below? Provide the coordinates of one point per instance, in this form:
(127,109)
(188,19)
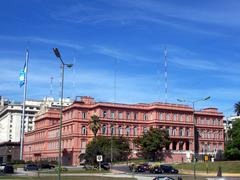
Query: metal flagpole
(23,110)
(165,74)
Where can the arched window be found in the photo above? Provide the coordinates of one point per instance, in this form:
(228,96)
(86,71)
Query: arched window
(187,132)
(104,129)
(119,130)
(145,117)
(135,131)
(181,132)
(127,131)
(84,130)
(112,130)
(174,131)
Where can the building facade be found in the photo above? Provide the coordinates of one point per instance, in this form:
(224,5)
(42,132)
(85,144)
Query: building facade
(130,120)
(9,151)
(11,115)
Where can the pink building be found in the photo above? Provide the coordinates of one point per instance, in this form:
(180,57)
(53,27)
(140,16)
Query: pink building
(129,120)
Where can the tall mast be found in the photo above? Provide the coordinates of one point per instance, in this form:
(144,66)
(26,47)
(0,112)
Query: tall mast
(165,74)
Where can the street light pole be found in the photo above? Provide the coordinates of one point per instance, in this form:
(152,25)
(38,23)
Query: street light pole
(194,129)
(58,55)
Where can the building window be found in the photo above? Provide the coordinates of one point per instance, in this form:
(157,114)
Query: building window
(135,131)
(144,117)
(128,115)
(84,115)
(219,122)
(135,116)
(168,130)
(128,131)
(160,116)
(84,130)
(203,147)
(208,147)
(187,132)
(120,116)
(213,122)
(104,129)
(174,131)
(220,146)
(181,143)
(119,130)
(112,130)
(104,114)
(181,132)
(214,147)
(181,117)
(202,120)
(167,116)
(145,130)
(175,117)
(187,118)
(112,115)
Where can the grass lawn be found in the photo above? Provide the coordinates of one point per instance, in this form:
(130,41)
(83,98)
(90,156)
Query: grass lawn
(66,178)
(227,166)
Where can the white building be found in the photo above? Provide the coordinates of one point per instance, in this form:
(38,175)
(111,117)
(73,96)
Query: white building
(228,123)
(10,117)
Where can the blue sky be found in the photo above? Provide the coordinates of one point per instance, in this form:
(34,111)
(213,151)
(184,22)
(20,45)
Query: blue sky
(129,36)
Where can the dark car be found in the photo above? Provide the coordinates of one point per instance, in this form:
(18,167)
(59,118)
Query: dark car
(168,169)
(6,169)
(145,166)
(105,166)
(140,168)
(31,167)
(156,170)
(46,166)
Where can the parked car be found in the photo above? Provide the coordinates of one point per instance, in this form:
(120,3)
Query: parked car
(168,169)
(140,168)
(46,166)
(156,170)
(105,166)
(31,167)
(6,169)
(146,166)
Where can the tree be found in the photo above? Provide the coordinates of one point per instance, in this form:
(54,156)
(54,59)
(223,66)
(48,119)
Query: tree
(102,146)
(232,149)
(95,125)
(237,108)
(152,142)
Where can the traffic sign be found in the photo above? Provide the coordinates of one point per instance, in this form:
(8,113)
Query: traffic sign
(99,158)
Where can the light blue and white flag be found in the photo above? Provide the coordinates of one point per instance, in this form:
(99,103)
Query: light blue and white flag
(22,75)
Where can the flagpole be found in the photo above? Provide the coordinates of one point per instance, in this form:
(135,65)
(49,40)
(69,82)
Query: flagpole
(23,110)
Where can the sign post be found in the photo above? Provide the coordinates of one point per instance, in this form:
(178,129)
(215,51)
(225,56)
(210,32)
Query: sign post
(99,159)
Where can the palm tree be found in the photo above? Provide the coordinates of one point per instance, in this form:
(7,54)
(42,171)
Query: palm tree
(95,124)
(237,108)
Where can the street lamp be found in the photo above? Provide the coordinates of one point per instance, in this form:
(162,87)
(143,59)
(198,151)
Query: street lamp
(194,128)
(58,55)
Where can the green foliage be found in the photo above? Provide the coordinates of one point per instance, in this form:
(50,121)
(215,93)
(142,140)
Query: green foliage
(102,146)
(95,124)
(237,108)
(152,143)
(232,148)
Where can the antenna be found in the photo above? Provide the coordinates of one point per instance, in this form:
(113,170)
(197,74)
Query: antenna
(165,74)
(74,78)
(51,86)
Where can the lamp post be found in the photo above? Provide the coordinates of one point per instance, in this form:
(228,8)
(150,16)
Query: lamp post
(194,129)
(58,55)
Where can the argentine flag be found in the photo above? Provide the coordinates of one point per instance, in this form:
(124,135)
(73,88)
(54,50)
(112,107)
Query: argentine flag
(22,75)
